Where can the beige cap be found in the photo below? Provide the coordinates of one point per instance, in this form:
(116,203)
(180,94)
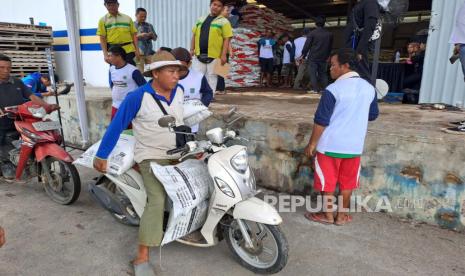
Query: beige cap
(159,60)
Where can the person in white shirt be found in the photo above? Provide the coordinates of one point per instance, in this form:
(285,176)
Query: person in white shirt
(287,73)
(266,46)
(458,36)
(124,77)
(194,83)
(301,62)
(338,136)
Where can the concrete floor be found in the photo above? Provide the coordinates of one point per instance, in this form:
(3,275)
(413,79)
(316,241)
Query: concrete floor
(44,238)
(298,108)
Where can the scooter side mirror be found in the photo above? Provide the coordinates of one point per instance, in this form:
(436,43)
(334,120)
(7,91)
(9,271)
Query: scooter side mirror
(167,121)
(231,111)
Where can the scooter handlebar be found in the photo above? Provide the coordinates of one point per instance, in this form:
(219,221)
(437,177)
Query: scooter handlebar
(9,110)
(178,150)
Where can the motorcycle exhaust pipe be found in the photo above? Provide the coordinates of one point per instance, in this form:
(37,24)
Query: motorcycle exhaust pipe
(105,198)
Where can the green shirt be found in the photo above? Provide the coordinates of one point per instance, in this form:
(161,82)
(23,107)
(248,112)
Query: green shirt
(118,29)
(220,28)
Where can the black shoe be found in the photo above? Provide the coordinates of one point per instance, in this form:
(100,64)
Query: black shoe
(67,89)
(457,123)
(8,170)
(455,130)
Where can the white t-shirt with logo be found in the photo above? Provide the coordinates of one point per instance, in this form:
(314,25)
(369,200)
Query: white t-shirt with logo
(122,82)
(353,97)
(192,84)
(286,54)
(266,48)
(299,45)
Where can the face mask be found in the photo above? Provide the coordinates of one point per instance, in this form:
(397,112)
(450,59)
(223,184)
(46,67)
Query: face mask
(384,4)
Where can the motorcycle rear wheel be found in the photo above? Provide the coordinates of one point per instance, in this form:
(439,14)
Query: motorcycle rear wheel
(61,180)
(129,216)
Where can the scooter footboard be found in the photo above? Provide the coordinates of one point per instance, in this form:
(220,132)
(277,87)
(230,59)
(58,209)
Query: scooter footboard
(209,228)
(255,209)
(132,184)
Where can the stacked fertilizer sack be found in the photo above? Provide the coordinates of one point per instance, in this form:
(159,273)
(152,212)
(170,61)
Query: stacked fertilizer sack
(261,19)
(245,70)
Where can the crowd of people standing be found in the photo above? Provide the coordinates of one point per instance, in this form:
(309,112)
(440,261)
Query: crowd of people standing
(294,60)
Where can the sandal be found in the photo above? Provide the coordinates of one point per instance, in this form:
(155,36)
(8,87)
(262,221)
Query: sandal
(455,130)
(457,123)
(143,269)
(345,220)
(318,217)
(432,107)
(426,107)
(452,108)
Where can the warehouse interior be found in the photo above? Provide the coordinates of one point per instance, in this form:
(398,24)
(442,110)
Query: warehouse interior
(396,33)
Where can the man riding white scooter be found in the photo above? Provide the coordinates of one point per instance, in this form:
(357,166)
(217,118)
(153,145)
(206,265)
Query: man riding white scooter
(141,107)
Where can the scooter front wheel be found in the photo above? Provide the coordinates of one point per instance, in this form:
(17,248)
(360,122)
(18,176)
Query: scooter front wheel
(269,252)
(61,180)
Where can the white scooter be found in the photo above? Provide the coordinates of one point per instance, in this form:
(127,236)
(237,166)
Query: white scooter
(248,224)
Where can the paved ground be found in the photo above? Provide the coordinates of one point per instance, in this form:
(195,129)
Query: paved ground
(44,238)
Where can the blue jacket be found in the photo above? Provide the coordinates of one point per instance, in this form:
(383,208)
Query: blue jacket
(33,82)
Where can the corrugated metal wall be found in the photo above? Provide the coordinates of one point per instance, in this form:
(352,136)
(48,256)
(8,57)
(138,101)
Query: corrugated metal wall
(442,82)
(173,19)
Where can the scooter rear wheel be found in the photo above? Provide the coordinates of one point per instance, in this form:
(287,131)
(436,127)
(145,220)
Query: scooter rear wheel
(129,215)
(61,180)
(270,248)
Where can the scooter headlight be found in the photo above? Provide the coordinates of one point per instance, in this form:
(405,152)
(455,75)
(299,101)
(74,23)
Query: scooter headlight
(224,187)
(240,162)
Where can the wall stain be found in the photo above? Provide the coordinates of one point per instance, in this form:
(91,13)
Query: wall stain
(394,172)
(302,130)
(451,178)
(367,172)
(290,153)
(412,172)
(447,218)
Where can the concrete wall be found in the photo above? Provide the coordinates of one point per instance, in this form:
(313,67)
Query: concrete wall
(423,178)
(98,106)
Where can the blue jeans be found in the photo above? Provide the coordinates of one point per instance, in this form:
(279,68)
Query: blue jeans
(462,58)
